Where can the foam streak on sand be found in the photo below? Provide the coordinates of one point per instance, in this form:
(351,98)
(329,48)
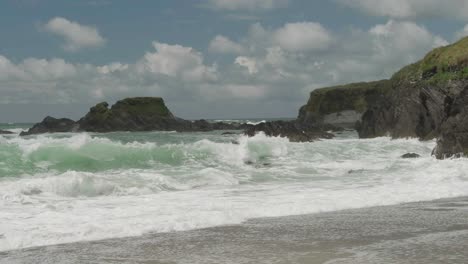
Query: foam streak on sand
(67,188)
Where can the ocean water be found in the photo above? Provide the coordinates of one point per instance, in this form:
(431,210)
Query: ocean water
(63,188)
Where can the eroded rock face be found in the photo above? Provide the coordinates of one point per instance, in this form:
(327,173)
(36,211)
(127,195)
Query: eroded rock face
(410,110)
(295,131)
(453,140)
(52,125)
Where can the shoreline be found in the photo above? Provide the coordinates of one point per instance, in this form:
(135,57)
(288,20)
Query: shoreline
(418,232)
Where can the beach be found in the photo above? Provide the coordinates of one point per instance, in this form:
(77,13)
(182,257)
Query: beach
(422,232)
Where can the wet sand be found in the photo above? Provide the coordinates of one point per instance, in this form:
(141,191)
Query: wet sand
(425,232)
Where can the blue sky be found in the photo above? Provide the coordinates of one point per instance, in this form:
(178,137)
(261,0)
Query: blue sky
(211,59)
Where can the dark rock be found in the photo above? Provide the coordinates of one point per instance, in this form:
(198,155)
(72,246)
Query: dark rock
(4,132)
(228,133)
(410,156)
(130,114)
(295,131)
(52,125)
(453,140)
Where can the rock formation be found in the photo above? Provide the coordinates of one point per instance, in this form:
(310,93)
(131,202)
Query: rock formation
(420,94)
(341,105)
(130,114)
(4,132)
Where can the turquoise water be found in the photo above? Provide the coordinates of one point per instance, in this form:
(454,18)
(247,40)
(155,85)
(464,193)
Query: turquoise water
(61,188)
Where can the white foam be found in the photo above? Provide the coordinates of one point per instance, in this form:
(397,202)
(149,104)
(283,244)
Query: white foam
(221,189)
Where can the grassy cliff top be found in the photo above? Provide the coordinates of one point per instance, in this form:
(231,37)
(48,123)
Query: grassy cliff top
(142,105)
(451,55)
(439,65)
(352,96)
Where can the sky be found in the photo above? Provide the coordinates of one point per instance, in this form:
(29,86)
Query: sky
(215,59)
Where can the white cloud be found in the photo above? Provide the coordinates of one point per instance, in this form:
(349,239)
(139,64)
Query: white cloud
(457,9)
(248,63)
(76,36)
(304,36)
(176,61)
(222,44)
(264,74)
(251,5)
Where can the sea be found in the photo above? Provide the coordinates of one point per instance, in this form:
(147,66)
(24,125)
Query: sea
(81,187)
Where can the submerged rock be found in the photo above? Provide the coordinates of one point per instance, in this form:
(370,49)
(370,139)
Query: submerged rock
(295,131)
(228,133)
(4,132)
(410,156)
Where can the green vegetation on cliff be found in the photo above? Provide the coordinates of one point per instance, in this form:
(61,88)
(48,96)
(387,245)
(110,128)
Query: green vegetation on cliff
(354,96)
(438,66)
(143,106)
(441,65)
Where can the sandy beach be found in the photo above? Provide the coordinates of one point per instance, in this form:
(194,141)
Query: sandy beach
(425,232)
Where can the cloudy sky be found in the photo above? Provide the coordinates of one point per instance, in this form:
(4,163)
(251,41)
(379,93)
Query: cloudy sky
(207,58)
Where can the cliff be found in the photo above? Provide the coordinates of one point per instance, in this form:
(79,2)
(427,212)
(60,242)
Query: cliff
(341,105)
(425,101)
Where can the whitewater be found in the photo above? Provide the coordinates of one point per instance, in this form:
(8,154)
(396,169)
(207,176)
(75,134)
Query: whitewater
(63,188)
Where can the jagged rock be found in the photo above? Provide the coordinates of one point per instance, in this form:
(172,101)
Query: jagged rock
(295,131)
(410,156)
(130,114)
(52,125)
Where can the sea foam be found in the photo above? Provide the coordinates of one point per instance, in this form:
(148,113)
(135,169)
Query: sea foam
(67,188)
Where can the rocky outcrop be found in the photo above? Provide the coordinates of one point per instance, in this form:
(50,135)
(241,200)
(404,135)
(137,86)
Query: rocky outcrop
(4,132)
(130,114)
(295,131)
(52,125)
(341,105)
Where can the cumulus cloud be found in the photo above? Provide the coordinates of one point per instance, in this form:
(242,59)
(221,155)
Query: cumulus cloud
(251,5)
(249,63)
(266,76)
(411,8)
(222,44)
(176,61)
(76,36)
(302,36)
